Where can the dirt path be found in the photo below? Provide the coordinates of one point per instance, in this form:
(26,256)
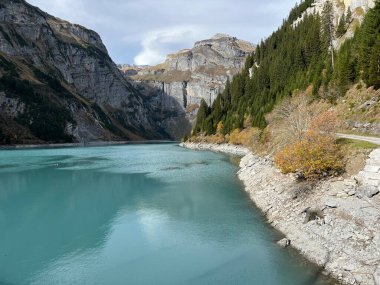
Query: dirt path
(360,138)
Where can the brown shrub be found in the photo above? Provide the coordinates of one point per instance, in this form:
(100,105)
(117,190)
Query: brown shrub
(325,122)
(314,156)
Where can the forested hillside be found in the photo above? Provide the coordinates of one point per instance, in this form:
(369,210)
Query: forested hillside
(295,57)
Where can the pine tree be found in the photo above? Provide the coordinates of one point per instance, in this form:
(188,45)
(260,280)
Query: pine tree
(349,16)
(374,65)
(367,39)
(342,26)
(202,114)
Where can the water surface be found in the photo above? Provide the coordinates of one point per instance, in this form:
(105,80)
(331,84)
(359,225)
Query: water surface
(136,214)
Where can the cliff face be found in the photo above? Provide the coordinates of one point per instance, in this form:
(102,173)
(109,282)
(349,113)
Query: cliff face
(59,84)
(191,75)
(358,10)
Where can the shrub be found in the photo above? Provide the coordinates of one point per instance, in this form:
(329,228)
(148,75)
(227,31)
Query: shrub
(246,137)
(234,137)
(314,156)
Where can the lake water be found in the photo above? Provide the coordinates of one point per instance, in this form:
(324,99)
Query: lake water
(136,214)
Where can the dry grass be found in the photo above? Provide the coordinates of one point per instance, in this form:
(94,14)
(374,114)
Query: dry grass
(350,107)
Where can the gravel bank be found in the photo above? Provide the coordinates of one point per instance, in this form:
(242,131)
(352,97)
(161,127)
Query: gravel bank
(224,148)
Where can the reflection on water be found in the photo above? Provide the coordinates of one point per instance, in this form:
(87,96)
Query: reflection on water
(148,214)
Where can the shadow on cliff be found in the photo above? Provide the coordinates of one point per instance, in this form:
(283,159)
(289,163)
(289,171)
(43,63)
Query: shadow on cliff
(165,110)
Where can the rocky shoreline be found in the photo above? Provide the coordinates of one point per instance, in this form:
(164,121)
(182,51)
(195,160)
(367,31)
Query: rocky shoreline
(334,223)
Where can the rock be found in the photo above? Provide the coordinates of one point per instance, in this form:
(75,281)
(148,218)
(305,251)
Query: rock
(342,195)
(367,191)
(376,276)
(332,203)
(349,183)
(372,168)
(284,242)
(313,214)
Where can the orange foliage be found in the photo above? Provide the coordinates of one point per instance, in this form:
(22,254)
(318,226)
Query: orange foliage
(246,137)
(313,156)
(219,128)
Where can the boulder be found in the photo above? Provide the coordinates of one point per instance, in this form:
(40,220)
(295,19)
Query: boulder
(367,191)
(332,203)
(284,242)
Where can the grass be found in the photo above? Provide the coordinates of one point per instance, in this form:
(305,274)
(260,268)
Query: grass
(357,144)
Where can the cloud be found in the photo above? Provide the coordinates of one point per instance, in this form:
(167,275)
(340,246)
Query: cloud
(157,44)
(143,31)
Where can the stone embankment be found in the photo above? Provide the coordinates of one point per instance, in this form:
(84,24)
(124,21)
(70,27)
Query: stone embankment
(334,223)
(224,148)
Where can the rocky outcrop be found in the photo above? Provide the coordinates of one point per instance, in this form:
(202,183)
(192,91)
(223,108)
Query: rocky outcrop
(67,65)
(191,75)
(334,223)
(358,9)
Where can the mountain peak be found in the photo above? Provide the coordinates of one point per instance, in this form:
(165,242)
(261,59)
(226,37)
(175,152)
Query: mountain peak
(221,36)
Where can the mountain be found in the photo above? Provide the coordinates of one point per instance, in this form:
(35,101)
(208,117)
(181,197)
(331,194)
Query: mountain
(58,84)
(191,75)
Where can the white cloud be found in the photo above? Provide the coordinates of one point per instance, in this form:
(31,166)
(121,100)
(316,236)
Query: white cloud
(157,44)
(144,30)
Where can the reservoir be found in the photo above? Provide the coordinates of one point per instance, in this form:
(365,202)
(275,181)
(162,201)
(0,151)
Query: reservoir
(136,214)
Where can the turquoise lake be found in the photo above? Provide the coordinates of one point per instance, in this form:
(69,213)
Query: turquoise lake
(135,214)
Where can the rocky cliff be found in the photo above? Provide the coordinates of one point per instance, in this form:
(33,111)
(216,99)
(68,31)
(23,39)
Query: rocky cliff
(58,83)
(191,75)
(358,9)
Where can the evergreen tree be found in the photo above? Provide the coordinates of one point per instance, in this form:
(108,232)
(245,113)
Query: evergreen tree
(349,16)
(202,114)
(342,26)
(374,64)
(367,39)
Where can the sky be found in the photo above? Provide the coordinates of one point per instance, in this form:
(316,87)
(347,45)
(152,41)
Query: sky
(143,32)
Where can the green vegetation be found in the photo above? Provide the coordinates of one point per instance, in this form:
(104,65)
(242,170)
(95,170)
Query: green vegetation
(46,119)
(293,58)
(357,144)
(51,81)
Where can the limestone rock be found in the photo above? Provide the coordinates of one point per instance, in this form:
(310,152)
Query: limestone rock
(367,191)
(284,242)
(331,203)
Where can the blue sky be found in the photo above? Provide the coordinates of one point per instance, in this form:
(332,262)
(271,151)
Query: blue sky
(144,31)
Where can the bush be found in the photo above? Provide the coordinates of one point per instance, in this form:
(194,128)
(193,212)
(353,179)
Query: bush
(314,156)
(246,137)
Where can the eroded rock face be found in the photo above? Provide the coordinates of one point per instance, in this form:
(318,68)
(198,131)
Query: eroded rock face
(45,50)
(191,75)
(358,9)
